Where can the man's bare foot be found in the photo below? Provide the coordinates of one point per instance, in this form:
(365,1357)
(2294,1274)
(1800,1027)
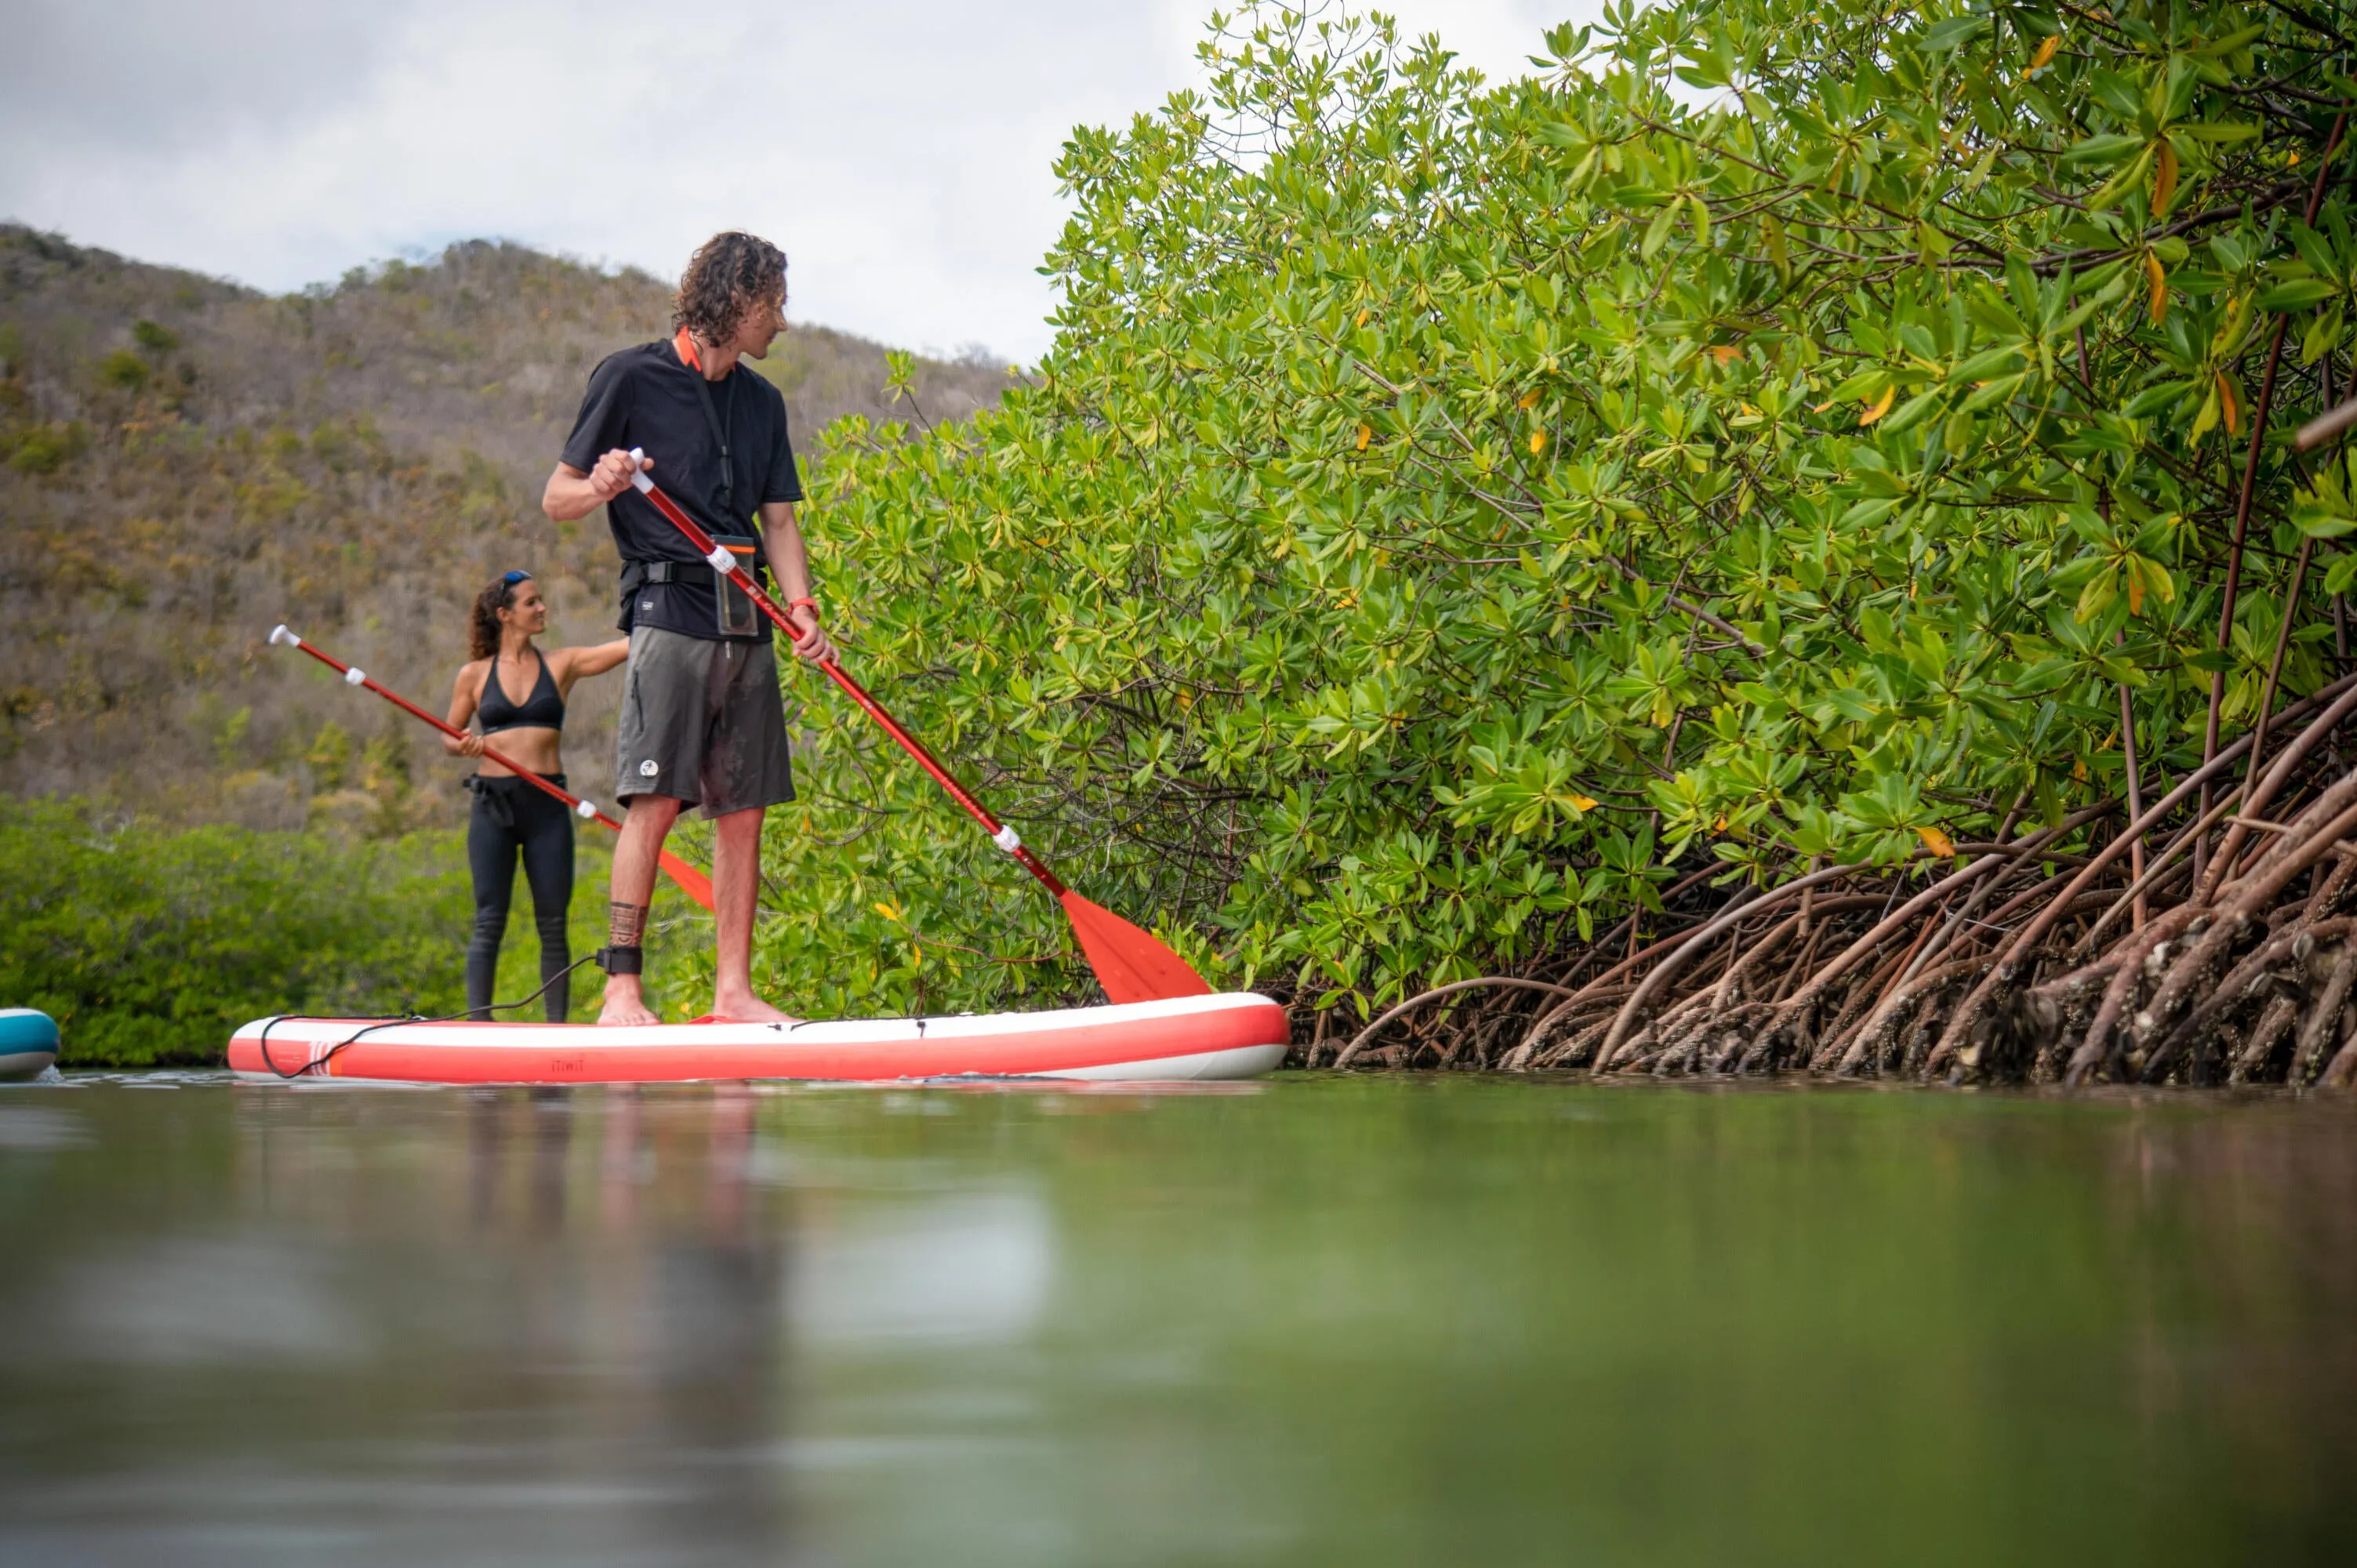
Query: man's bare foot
(750,1009)
(624,1004)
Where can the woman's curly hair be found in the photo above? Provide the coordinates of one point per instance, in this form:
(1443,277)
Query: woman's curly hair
(728,275)
(483,630)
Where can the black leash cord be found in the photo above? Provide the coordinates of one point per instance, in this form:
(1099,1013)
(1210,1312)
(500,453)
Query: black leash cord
(312,1067)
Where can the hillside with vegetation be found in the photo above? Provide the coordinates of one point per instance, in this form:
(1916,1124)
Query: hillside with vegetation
(184,463)
(1775,542)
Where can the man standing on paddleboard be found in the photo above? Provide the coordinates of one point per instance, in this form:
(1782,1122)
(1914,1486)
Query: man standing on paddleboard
(702,723)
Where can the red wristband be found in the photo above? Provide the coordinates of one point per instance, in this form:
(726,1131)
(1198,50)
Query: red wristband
(797,604)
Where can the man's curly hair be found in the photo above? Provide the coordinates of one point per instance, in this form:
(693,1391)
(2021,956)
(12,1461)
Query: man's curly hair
(728,275)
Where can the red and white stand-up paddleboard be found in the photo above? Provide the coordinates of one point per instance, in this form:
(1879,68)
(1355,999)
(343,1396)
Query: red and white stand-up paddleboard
(1227,1035)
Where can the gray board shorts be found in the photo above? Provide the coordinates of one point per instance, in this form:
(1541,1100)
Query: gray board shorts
(702,723)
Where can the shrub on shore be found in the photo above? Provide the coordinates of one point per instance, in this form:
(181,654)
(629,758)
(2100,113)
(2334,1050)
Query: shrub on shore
(148,946)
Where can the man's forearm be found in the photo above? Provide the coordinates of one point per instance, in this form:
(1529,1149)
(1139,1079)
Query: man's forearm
(793,568)
(789,556)
(790,569)
(570,495)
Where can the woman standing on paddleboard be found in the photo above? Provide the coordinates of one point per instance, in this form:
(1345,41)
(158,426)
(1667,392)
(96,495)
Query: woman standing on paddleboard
(517,693)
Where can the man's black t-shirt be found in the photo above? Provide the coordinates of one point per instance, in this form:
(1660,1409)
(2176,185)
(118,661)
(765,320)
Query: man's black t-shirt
(646,397)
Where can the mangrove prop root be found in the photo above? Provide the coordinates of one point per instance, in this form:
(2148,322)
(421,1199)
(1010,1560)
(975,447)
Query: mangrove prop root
(2155,1026)
(2095,1055)
(2342,1073)
(2006,970)
(1350,1051)
(1880,1032)
(2273,1027)
(2013,961)
(2264,964)
(2326,1014)
(2009,963)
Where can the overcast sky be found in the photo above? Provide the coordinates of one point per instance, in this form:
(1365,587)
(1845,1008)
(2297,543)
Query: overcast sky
(899,150)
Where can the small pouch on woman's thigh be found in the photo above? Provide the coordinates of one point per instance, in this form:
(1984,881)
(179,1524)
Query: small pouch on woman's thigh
(495,799)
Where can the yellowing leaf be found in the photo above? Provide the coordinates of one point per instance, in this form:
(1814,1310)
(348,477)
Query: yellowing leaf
(2231,409)
(1538,442)
(888,912)
(2164,177)
(1881,406)
(1935,841)
(2135,594)
(2079,769)
(2155,577)
(1726,353)
(2043,58)
(1366,434)
(1582,804)
(1363,319)
(2157,306)
(1530,399)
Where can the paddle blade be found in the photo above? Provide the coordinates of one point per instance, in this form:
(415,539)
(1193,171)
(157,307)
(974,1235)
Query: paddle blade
(692,882)
(1130,965)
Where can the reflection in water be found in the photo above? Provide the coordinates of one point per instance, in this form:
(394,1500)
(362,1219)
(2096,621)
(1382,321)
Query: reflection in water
(961,1270)
(416,1345)
(673,1305)
(1375,1321)
(200,1301)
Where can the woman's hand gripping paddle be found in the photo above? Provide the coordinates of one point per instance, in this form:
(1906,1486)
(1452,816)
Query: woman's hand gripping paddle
(692,882)
(1129,962)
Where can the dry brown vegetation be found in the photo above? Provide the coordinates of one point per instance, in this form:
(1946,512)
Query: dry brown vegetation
(184,463)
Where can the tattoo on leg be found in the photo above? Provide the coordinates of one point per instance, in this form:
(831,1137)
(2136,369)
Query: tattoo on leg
(625,924)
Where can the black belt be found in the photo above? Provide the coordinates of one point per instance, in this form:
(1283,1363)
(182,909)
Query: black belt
(636,574)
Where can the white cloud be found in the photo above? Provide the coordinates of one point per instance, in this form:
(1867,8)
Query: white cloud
(901,150)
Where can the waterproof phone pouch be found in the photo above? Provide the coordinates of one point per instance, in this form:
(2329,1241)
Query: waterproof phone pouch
(738,615)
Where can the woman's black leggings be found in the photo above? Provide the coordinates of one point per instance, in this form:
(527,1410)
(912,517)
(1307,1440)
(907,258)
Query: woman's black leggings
(511,815)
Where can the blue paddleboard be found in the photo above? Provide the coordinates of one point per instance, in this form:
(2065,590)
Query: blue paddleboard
(28,1042)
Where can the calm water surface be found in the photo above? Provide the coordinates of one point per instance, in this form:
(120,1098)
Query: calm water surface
(1374,1321)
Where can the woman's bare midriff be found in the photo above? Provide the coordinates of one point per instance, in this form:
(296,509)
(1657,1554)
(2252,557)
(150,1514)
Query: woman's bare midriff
(534,748)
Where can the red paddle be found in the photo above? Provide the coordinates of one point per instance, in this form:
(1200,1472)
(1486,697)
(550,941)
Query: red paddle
(692,882)
(1130,964)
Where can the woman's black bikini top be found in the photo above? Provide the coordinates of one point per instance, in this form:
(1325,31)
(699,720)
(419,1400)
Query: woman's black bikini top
(542,710)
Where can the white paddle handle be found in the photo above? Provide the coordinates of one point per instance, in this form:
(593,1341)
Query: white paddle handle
(639,470)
